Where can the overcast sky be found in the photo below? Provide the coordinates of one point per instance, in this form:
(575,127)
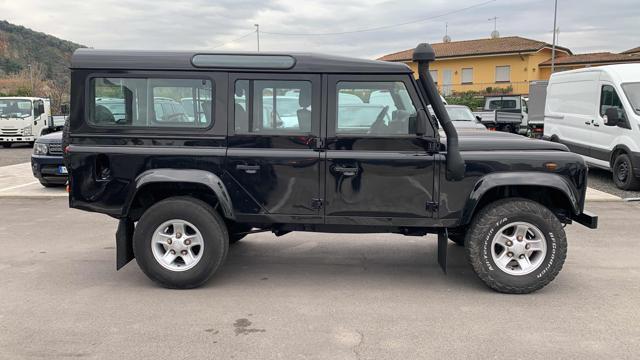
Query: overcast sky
(585,26)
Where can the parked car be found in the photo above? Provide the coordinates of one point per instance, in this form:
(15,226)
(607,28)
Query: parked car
(183,195)
(506,113)
(46,160)
(462,117)
(596,113)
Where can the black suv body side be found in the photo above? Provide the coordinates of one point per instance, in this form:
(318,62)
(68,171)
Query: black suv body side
(280,145)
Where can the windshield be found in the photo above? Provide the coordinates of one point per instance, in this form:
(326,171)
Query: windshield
(459,113)
(632,91)
(15,108)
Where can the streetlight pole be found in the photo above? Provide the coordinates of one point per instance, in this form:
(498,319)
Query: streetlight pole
(31,78)
(553,46)
(257,35)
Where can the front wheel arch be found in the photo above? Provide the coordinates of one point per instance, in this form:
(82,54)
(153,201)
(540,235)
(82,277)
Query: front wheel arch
(554,194)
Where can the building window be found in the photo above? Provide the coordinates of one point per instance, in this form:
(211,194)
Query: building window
(467,76)
(434,75)
(503,73)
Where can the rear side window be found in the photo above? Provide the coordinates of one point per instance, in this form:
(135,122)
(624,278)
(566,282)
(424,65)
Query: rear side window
(138,102)
(272,107)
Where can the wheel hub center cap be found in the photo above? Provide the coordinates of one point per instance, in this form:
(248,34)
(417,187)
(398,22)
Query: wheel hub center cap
(517,248)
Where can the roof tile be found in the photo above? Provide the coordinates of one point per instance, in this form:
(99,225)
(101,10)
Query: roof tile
(502,45)
(593,58)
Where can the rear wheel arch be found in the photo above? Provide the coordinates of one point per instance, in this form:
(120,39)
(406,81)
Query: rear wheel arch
(156,185)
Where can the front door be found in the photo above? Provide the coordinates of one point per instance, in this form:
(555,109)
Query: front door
(604,136)
(272,158)
(378,172)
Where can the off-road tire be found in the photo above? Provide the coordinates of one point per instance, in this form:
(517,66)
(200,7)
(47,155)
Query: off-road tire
(631,182)
(202,216)
(491,219)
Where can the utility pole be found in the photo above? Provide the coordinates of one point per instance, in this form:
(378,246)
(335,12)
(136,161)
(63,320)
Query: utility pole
(257,35)
(553,46)
(31,78)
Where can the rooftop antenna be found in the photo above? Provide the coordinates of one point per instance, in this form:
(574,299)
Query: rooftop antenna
(257,35)
(446,37)
(495,34)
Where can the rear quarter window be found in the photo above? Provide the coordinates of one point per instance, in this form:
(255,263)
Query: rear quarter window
(150,102)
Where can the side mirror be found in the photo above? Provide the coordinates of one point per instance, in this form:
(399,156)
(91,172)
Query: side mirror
(478,118)
(421,123)
(611,117)
(64,109)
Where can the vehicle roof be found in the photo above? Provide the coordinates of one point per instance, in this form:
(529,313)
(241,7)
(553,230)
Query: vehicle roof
(617,72)
(181,60)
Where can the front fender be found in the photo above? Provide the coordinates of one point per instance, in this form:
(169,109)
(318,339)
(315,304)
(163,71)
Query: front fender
(538,179)
(208,179)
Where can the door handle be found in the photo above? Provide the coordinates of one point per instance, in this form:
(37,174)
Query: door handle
(595,123)
(346,171)
(249,169)
(587,122)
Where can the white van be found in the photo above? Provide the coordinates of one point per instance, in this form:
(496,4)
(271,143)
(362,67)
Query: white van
(596,113)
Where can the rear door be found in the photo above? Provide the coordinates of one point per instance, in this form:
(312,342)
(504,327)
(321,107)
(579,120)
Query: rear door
(378,172)
(272,158)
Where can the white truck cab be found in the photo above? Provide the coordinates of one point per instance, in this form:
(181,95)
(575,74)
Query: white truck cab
(24,119)
(596,113)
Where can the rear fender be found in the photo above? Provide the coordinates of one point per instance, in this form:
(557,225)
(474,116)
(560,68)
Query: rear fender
(206,178)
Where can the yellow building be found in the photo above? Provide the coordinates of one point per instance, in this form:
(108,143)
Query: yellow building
(503,64)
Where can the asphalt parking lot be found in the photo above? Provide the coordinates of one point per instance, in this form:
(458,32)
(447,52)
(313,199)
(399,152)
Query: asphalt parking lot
(308,296)
(16,154)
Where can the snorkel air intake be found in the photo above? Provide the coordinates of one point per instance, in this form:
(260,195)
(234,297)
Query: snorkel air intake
(423,54)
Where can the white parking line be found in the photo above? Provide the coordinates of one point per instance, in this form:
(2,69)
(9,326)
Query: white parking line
(18,186)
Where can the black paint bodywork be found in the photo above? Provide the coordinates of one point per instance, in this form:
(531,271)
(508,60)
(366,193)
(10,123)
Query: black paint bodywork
(317,182)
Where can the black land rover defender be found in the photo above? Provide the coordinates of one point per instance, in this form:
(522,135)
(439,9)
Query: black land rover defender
(193,151)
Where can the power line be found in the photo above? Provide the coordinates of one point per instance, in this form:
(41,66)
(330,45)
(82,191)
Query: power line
(234,40)
(380,27)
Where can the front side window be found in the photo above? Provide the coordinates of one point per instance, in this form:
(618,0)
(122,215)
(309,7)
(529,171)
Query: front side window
(632,90)
(609,99)
(503,73)
(272,107)
(385,108)
(141,102)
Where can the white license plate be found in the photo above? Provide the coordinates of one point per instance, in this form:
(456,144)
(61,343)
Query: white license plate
(62,169)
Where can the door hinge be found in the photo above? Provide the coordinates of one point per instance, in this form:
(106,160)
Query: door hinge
(432,206)
(316,203)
